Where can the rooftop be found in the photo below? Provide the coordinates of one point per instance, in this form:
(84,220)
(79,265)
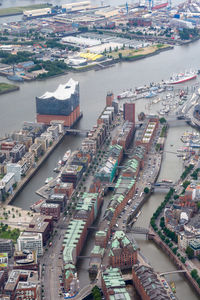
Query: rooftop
(63,92)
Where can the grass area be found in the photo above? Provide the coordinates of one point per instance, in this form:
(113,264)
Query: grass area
(131,53)
(20,9)
(6,87)
(7,233)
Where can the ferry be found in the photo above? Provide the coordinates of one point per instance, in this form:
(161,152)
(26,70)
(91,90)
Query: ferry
(182,77)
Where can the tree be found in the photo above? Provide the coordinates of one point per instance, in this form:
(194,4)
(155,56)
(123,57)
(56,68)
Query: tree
(162,120)
(146,190)
(186,183)
(194,273)
(120,55)
(190,252)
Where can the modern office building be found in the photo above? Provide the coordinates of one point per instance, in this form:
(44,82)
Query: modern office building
(41,224)
(7,246)
(30,241)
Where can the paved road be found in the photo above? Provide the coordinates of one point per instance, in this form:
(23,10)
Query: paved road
(52,259)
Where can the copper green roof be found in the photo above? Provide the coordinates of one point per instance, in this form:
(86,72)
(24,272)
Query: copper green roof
(97,250)
(100,233)
(120,240)
(113,278)
(71,239)
(87,201)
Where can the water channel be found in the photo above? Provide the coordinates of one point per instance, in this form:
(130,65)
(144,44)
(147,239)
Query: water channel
(19,106)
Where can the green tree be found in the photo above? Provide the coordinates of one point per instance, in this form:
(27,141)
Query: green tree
(190,252)
(146,190)
(162,120)
(194,273)
(186,183)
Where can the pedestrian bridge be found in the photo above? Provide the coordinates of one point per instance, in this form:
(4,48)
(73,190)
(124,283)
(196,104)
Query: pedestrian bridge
(139,230)
(173,272)
(76,131)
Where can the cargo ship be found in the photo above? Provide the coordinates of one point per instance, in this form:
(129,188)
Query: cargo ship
(62,104)
(182,77)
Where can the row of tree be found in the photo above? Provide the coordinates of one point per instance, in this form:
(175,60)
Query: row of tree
(195,275)
(187,171)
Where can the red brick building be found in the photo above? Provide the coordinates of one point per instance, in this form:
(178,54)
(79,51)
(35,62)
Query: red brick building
(123,252)
(148,284)
(129,112)
(50,209)
(43,225)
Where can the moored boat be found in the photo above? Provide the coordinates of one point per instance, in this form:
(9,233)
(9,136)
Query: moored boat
(48,179)
(66,156)
(173,287)
(182,77)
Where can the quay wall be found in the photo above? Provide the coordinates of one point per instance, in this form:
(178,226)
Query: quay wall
(33,171)
(157,240)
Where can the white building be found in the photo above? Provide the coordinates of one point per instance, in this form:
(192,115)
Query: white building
(16,169)
(7,181)
(30,241)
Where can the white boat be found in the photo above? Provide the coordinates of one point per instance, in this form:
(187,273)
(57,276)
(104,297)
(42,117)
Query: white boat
(66,156)
(182,77)
(156,100)
(48,179)
(126,94)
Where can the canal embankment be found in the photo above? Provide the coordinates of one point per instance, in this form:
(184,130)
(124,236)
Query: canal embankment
(33,171)
(157,240)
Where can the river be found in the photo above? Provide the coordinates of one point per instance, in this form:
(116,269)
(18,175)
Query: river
(19,106)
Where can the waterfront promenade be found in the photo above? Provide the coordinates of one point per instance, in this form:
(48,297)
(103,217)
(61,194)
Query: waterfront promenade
(33,170)
(157,240)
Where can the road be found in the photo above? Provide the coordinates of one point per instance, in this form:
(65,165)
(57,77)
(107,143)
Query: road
(51,263)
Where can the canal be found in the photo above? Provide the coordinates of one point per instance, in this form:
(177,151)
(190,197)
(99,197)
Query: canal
(19,106)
